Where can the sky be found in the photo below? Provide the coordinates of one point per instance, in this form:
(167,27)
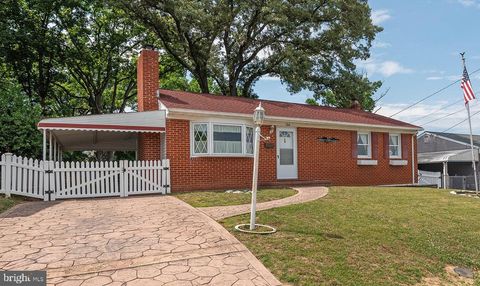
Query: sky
(416,55)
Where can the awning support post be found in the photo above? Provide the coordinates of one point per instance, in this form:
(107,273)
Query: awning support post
(44,144)
(55,148)
(50,146)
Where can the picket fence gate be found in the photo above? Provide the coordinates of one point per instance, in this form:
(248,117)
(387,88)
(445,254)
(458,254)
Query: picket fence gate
(61,180)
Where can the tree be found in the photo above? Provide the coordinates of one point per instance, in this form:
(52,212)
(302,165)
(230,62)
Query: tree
(29,44)
(18,119)
(349,87)
(99,48)
(308,44)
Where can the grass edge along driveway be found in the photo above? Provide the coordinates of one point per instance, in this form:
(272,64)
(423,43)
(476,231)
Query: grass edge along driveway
(219,198)
(7,203)
(368,236)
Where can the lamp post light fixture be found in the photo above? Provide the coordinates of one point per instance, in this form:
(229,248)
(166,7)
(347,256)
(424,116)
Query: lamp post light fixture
(258,118)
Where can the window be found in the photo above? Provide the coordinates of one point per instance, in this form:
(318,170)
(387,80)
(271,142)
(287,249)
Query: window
(200,138)
(394,146)
(249,140)
(221,139)
(227,139)
(363,145)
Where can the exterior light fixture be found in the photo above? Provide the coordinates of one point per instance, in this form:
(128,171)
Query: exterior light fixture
(258,118)
(259,115)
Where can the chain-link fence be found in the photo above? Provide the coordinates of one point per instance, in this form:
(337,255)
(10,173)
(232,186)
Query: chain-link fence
(461,182)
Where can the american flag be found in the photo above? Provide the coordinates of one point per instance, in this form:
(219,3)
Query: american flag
(468,94)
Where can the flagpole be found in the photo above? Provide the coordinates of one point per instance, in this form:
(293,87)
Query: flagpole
(467,105)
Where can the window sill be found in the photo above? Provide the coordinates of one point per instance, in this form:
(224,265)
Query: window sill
(367,162)
(398,162)
(221,155)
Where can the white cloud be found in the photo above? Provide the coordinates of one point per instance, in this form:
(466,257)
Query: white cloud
(268,77)
(447,77)
(381,45)
(469,3)
(435,77)
(437,111)
(380,16)
(385,68)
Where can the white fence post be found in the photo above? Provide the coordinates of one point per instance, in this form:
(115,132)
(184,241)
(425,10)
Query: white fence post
(166,176)
(123,186)
(48,181)
(7,180)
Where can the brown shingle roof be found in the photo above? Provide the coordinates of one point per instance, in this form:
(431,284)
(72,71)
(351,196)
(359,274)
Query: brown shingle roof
(229,104)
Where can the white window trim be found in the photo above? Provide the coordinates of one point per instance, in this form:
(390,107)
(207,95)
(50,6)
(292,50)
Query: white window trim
(399,156)
(369,149)
(192,139)
(244,142)
(210,150)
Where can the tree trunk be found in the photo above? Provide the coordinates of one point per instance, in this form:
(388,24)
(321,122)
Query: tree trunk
(202,78)
(232,85)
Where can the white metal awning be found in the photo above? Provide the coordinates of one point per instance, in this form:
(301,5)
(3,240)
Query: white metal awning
(447,156)
(150,121)
(105,132)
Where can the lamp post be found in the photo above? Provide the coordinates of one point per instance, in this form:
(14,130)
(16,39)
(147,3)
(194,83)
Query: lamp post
(258,117)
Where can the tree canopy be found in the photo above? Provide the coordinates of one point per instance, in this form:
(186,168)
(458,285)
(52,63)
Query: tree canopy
(18,121)
(75,57)
(308,44)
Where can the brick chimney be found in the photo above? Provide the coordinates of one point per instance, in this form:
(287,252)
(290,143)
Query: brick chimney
(147,86)
(356,105)
(147,79)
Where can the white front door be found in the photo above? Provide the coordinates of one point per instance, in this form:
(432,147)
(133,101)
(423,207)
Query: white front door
(286,153)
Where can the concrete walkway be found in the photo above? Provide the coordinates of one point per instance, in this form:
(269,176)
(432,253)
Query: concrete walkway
(154,240)
(305,194)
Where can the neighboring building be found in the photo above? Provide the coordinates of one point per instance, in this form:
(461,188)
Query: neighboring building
(450,154)
(209,139)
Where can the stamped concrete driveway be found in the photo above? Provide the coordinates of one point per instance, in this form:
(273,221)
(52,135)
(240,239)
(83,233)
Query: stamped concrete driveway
(155,240)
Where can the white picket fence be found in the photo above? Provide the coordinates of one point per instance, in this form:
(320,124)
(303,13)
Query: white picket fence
(61,180)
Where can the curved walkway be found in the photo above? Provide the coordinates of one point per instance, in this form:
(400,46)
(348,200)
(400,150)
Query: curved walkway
(305,194)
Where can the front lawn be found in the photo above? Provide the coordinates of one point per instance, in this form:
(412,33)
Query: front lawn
(368,236)
(210,199)
(5,203)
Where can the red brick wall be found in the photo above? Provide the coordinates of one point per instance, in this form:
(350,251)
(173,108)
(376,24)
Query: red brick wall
(335,162)
(149,146)
(316,161)
(147,86)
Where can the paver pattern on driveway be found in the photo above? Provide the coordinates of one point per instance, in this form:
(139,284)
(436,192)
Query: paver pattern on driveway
(305,194)
(154,240)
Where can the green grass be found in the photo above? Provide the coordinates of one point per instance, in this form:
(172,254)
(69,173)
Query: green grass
(5,203)
(368,236)
(210,199)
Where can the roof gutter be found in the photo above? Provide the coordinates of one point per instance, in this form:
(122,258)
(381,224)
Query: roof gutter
(182,113)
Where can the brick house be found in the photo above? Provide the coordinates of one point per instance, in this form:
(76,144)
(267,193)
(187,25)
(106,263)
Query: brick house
(209,139)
